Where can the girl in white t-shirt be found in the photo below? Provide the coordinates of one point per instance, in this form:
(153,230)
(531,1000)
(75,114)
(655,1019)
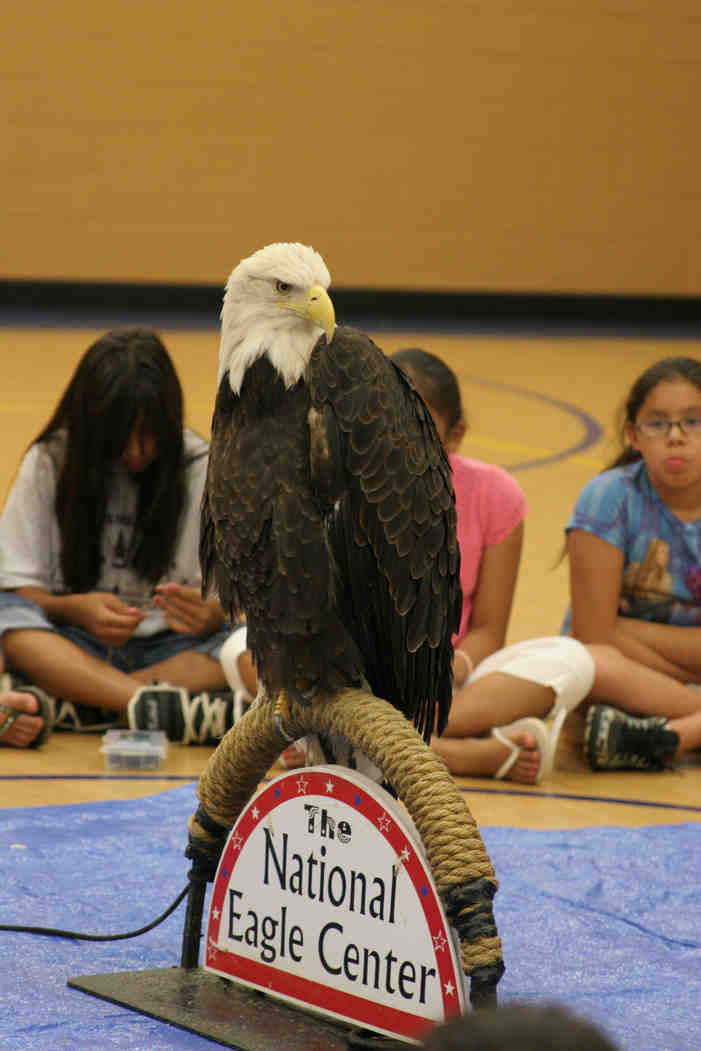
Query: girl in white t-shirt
(99,565)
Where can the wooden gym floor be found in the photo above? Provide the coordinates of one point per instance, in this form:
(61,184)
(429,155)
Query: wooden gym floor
(541,405)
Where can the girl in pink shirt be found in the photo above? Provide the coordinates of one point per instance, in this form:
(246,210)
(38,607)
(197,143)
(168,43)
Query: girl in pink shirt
(495,727)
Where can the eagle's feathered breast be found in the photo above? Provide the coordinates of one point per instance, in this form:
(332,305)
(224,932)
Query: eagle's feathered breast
(329,519)
(267,543)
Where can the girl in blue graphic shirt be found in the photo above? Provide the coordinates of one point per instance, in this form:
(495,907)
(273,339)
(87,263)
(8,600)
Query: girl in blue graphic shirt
(634,546)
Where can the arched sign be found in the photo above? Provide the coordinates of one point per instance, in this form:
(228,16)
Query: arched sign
(324,898)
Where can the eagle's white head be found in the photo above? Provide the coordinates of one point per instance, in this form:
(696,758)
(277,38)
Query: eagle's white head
(275,304)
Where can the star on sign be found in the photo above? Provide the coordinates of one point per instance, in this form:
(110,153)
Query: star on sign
(237,842)
(439,941)
(301,785)
(330,786)
(402,857)
(256,813)
(216,913)
(384,823)
(449,989)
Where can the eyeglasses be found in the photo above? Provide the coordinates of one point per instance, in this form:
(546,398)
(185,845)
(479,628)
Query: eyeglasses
(690,427)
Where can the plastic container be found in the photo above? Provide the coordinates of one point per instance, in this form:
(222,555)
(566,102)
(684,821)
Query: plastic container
(134,749)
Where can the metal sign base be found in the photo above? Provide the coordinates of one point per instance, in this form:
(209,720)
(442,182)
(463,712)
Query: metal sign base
(232,1015)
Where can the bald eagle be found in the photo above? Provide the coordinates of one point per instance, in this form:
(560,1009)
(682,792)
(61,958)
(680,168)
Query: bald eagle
(328,517)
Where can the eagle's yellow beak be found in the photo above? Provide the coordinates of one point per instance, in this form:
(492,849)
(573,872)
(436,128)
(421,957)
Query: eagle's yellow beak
(315,306)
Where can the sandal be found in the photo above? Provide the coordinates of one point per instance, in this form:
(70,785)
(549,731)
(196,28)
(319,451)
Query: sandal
(559,662)
(45,710)
(545,743)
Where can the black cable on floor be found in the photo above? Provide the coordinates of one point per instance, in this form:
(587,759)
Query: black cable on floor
(97,937)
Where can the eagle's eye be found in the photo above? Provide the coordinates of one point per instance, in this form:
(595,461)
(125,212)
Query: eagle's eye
(282,286)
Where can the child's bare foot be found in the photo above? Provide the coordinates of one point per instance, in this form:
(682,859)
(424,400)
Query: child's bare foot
(18,713)
(518,752)
(525,768)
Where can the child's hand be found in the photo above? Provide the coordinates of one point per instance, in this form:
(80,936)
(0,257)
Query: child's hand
(186,611)
(105,616)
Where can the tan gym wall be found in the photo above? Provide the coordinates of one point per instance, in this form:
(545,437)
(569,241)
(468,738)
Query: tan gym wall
(502,146)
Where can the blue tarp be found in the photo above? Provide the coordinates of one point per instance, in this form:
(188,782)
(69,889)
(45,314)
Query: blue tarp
(606,921)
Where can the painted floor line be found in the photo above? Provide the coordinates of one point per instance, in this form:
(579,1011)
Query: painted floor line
(465,790)
(592,428)
(98,777)
(582,799)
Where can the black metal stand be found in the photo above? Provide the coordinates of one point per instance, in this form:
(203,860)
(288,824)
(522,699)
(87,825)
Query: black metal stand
(192,928)
(229,1014)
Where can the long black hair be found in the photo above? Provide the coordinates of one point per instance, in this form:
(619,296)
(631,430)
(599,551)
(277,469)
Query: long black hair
(665,369)
(126,379)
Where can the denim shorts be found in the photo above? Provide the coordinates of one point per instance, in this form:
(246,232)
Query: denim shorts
(140,651)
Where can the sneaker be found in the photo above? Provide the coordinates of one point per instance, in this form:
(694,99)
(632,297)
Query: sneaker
(83,718)
(614,740)
(203,719)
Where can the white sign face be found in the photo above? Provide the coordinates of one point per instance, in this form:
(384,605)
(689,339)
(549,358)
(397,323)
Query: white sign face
(324,897)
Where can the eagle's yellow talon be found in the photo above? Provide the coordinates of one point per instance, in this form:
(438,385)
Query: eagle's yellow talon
(282,716)
(282,705)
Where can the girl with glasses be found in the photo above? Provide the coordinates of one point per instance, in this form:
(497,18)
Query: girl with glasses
(634,546)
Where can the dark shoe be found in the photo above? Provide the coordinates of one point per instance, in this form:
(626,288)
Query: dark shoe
(614,740)
(203,719)
(83,718)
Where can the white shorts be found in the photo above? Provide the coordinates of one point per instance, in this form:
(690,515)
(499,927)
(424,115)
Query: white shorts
(232,649)
(557,661)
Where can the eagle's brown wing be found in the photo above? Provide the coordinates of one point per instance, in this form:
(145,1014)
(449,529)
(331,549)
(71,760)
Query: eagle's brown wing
(386,482)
